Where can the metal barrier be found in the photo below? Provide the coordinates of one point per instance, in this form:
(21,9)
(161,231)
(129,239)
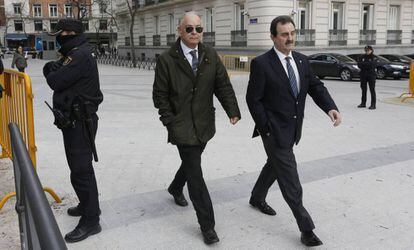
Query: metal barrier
(410,93)
(37,225)
(16,106)
(237,62)
(148,64)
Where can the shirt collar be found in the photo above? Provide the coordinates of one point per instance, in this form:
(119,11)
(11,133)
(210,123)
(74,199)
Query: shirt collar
(281,55)
(187,50)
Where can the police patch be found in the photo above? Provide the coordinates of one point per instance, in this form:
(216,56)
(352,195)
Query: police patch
(67,60)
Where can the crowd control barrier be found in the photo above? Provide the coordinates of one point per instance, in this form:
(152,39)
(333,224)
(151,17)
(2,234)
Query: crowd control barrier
(16,105)
(37,224)
(410,93)
(237,62)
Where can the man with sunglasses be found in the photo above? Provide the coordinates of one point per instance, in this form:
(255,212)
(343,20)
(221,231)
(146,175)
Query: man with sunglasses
(186,78)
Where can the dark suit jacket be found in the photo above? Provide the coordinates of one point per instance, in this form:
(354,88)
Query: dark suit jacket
(271,101)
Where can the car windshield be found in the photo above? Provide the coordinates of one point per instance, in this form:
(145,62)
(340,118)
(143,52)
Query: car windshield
(405,58)
(343,58)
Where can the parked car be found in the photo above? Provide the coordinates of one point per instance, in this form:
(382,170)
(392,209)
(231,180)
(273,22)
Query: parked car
(30,51)
(386,68)
(410,56)
(402,59)
(334,65)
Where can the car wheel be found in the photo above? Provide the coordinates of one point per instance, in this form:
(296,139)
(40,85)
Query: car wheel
(397,77)
(346,75)
(321,77)
(381,73)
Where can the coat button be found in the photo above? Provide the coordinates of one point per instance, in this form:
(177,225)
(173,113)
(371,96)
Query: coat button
(294,117)
(297,103)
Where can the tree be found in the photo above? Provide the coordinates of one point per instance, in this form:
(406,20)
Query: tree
(80,8)
(107,11)
(133,6)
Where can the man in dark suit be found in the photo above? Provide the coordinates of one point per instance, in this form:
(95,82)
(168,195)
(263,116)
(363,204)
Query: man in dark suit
(279,82)
(186,78)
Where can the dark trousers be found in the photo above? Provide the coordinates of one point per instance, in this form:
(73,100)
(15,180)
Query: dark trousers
(281,166)
(370,81)
(79,156)
(190,172)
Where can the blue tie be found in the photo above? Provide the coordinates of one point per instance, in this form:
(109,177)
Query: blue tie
(292,77)
(194,62)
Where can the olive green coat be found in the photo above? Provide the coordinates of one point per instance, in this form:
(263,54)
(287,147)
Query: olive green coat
(185,101)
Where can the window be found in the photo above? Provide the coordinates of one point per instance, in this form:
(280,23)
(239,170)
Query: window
(38,25)
(51,46)
(157,25)
(37,10)
(53,10)
(337,17)
(208,20)
(127,41)
(103,24)
(321,58)
(239,16)
(18,25)
(102,8)
(83,10)
(85,25)
(367,16)
(171,27)
(142,27)
(68,10)
(53,25)
(17,9)
(394,17)
(304,15)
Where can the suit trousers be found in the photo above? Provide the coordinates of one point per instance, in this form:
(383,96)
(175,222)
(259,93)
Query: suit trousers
(281,166)
(190,172)
(370,80)
(79,156)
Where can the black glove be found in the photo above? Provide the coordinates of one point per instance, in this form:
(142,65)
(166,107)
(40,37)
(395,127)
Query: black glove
(1,91)
(51,67)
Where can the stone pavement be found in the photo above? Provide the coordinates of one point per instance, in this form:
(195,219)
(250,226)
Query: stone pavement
(358,178)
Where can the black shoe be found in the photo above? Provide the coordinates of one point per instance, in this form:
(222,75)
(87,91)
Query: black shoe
(310,239)
(179,199)
(362,106)
(75,211)
(372,107)
(210,236)
(82,232)
(263,207)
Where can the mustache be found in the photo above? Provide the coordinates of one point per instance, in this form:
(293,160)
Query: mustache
(289,42)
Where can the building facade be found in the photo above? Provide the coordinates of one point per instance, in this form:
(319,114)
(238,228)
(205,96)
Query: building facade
(242,26)
(27,19)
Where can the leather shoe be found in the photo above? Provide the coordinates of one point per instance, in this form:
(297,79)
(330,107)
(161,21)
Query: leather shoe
(310,239)
(372,107)
(210,236)
(362,106)
(82,232)
(179,199)
(263,207)
(75,211)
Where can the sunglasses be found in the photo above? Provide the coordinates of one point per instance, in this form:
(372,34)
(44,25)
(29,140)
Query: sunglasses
(190,29)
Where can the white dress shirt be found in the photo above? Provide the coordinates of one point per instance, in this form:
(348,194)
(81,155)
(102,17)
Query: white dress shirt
(282,58)
(186,51)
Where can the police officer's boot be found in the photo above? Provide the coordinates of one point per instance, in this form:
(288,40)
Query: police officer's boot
(75,211)
(362,105)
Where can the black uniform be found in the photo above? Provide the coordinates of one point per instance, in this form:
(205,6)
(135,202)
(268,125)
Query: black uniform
(368,64)
(75,82)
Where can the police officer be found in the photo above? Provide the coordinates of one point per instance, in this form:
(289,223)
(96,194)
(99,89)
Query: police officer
(74,80)
(368,64)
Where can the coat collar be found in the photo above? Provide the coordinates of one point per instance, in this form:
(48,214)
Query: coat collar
(176,52)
